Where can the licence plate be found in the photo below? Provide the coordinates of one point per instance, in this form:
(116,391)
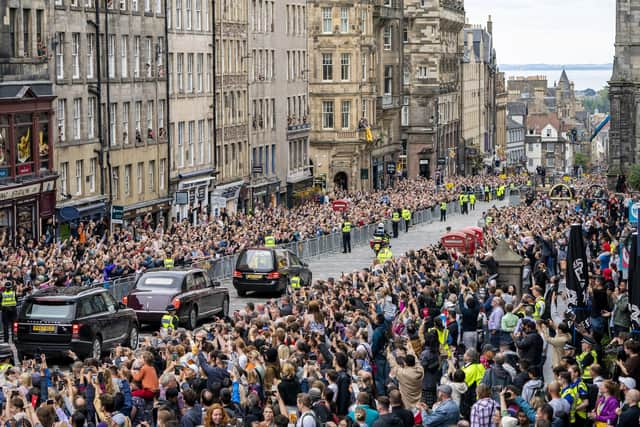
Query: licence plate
(254,276)
(43,328)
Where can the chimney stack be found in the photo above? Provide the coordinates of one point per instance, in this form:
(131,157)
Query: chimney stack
(490,26)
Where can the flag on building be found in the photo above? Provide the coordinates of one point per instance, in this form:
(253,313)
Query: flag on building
(368,135)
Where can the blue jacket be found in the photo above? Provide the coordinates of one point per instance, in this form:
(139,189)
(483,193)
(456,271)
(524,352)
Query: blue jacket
(125,389)
(378,341)
(371,414)
(214,374)
(444,415)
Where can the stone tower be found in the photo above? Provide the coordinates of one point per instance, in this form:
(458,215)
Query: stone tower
(624,91)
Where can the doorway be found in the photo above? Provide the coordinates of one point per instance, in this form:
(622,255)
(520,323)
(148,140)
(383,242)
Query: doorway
(340,181)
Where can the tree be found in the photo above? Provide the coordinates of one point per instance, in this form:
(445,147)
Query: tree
(581,159)
(634,177)
(599,102)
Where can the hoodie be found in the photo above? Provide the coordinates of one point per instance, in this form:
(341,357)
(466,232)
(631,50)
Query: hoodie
(530,388)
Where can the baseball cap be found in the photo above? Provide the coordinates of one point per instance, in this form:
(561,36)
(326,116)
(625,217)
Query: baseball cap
(628,382)
(446,389)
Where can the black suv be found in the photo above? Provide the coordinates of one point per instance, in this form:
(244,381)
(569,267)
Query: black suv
(86,320)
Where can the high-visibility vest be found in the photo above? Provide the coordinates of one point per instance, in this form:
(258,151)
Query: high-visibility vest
(270,242)
(472,198)
(5,366)
(395,216)
(346,227)
(443,206)
(9,299)
(384,255)
(581,386)
(461,199)
(443,339)
(539,308)
(406,214)
(586,375)
(512,186)
(167,321)
(488,219)
(168,263)
(295,282)
(465,198)
(473,373)
(486,188)
(569,391)
(529,183)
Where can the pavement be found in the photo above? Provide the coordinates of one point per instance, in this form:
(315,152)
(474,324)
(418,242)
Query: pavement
(333,265)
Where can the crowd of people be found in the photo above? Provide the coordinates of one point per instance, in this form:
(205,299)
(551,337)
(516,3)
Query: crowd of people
(430,338)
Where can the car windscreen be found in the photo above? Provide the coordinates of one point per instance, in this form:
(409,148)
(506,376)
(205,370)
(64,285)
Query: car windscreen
(256,260)
(48,310)
(159,282)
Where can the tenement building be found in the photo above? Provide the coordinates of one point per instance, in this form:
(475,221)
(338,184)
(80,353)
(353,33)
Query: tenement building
(109,69)
(431,98)
(354,90)
(27,123)
(624,93)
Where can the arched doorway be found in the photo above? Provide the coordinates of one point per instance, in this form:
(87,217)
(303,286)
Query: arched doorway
(340,181)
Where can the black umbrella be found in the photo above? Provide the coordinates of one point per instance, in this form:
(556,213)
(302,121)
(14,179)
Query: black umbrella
(577,275)
(634,282)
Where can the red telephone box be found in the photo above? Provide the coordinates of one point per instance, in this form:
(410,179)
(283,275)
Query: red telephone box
(478,232)
(340,205)
(461,241)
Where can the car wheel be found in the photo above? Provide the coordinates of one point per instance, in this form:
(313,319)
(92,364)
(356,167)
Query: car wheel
(242,294)
(225,307)
(96,348)
(192,318)
(132,341)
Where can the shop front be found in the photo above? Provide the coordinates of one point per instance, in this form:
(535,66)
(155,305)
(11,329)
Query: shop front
(69,215)
(26,212)
(194,197)
(265,193)
(300,189)
(147,213)
(225,197)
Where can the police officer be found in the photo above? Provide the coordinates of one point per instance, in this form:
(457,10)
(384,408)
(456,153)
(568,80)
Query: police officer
(385,254)
(395,221)
(487,194)
(587,358)
(169,320)
(295,282)
(443,211)
(472,201)
(465,203)
(269,241)
(346,236)
(539,305)
(168,261)
(9,304)
(406,215)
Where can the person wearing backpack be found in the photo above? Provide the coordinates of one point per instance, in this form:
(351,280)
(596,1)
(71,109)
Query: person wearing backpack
(307,417)
(496,377)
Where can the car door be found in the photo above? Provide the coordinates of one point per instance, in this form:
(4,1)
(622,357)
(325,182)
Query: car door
(99,319)
(302,269)
(295,267)
(203,294)
(118,320)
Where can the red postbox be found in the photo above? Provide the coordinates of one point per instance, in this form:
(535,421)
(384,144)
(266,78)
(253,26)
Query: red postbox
(460,241)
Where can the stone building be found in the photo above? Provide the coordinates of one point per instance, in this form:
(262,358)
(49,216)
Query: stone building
(546,144)
(432,89)
(519,87)
(354,91)
(624,93)
(278,92)
(501,118)
(27,168)
(126,162)
(479,98)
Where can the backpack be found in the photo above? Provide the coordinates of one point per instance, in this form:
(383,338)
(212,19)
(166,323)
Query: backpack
(312,415)
(323,413)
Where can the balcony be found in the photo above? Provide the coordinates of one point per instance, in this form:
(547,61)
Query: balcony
(387,9)
(455,5)
(298,128)
(387,102)
(24,70)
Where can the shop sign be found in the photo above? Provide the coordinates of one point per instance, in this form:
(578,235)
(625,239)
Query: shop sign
(24,169)
(117,214)
(391,168)
(192,197)
(182,197)
(18,192)
(4,172)
(442,161)
(201,193)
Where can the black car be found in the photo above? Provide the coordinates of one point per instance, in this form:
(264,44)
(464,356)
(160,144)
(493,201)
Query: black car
(86,320)
(190,291)
(268,270)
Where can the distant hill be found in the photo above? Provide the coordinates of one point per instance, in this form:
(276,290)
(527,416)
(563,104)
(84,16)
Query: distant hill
(533,67)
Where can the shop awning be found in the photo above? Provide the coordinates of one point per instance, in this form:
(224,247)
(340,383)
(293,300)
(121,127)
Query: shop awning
(228,191)
(294,179)
(148,203)
(208,171)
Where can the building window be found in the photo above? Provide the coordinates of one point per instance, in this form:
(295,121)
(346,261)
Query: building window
(190,73)
(170,71)
(147,6)
(149,64)
(327,67)
(60,56)
(124,63)
(179,70)
(138,120)
(91,117)
(405,111)
(180,144)
(64,178)
(209,69)
(92,175)
(178,14)
(405,35)
(209,140)
(90,53)
(158,7)
(125,123)
(150,119)
(75,55)
(134,5)
(112,56)
(386,37)
(363,21)
(79,177)
(127,180)
(423,72)
(550,162)
(113,109)
(161,117)
(136,57)
(346,114)
(199,14)
(327,114)
(199,64)
(344,20)
(152,171)
(60,115)
(161,173)
(187,14)
(140,177)
(326,20)
(364,66)
(77,110)
(388,79)
(201,141)
(190,154)
(206,15)
(345,67)
(115,182)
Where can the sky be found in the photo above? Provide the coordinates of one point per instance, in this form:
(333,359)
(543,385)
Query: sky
(548,31)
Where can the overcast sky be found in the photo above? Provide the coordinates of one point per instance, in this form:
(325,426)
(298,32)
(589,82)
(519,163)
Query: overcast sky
(548,31)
